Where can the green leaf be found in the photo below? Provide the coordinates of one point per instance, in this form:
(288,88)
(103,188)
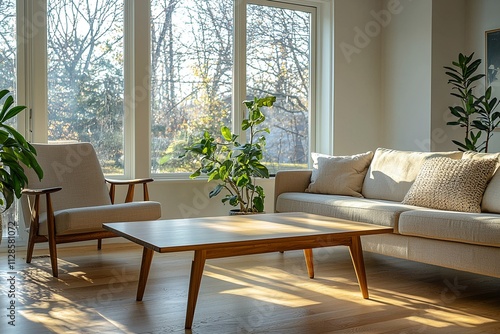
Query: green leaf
(233,200)
(245,124)
(242,181)
(3,93)
(226,133)
(6,106)
(480,126)
(475,78)
(454,76)
(258,204)
(195,174)
(260,170)
(216,190)
(12,113)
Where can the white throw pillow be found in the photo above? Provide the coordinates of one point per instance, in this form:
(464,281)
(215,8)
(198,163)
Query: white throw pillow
(339,175)
(448,184)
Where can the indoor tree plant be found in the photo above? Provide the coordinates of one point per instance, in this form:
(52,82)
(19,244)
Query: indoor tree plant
(475,113)
(233,164)
(15,152)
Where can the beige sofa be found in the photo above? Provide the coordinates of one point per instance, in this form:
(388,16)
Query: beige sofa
(468,241)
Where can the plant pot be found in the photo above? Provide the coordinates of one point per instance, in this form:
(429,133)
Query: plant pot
(236,212)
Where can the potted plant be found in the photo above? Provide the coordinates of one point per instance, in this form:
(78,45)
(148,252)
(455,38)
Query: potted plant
(15,152)
(233,164)
(475,113)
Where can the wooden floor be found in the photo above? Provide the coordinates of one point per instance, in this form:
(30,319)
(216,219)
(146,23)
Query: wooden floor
(268,293)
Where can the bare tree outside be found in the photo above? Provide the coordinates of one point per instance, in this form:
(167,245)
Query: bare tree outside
(8,44)
(8,50)
(85,76)
(278,63)
(192,64)
(191,75)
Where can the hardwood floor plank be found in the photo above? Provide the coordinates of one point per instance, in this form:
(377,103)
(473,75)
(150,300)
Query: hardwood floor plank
(267,293)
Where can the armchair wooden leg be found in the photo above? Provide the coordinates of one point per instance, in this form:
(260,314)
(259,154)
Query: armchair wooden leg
(31,245)
(99,244)
(53,255)
(51,236)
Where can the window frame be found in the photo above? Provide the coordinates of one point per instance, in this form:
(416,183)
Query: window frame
(32,80)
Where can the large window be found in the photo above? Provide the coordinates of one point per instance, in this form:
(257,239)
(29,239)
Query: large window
(8,51)
(85,76)
(278,63)
(191,75)
(8,45)
(140,79)
(192,66)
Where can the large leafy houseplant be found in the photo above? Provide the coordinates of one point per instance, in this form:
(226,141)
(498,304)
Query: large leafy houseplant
(233,164)
(15,152)
(475,113)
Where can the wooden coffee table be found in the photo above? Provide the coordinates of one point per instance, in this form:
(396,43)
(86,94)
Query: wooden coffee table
(218,237)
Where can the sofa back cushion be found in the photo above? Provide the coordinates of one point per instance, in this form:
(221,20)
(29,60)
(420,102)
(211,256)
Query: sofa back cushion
(491,195)
(392,172)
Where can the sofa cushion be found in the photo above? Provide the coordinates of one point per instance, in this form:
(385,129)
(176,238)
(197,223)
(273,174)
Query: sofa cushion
(391,172)
(364,210)
(481,156)
(472,228)
(90,219)
(491,195)
(449,184)
(339,175)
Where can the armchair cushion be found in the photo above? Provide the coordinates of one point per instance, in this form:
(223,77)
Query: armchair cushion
(90,219)
(76,169)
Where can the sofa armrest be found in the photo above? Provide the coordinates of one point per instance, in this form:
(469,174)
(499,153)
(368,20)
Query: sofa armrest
(287,181)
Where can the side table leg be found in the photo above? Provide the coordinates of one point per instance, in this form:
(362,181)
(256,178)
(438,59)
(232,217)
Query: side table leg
(147,257)
(194,285)
(308,254)
(359,265)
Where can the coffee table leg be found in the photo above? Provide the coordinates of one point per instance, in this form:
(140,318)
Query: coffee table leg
(359,265)
(308,254)
(147,257)
(194,285)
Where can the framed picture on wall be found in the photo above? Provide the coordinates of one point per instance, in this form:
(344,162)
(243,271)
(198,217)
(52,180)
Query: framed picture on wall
(493,61)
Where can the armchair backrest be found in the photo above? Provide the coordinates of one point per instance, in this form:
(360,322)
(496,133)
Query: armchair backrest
(76,169)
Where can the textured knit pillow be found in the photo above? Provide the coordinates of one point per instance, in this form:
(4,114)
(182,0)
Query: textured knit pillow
(491,194)
(448,184)
(339,175)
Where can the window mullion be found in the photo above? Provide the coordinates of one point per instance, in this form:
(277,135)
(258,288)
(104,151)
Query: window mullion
(239,66)
(35,40)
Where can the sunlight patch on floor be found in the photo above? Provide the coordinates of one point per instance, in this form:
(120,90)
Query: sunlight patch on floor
(272,296)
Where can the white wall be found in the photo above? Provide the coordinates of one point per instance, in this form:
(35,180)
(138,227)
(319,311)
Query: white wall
(448,31)
(482,15)
(424,37)
(189,198)
(357,89)
(406,75)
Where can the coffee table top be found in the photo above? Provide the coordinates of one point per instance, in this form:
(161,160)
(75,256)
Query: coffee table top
(176,235)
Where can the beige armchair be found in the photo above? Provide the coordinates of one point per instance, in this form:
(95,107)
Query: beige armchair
(72,201)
